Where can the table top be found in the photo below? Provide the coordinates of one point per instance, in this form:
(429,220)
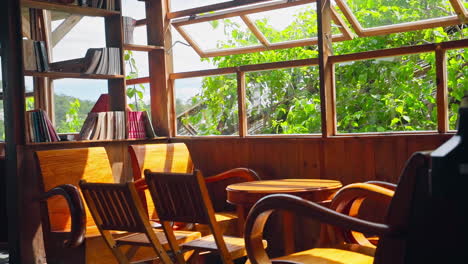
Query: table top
(317,190)
(284,185)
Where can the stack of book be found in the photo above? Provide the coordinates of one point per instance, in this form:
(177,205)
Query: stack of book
(128,28)
(96,61)
(139,125)
(103,126)
(35,55)
(39,128)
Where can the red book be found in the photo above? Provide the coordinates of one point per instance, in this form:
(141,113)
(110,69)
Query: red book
(102,104)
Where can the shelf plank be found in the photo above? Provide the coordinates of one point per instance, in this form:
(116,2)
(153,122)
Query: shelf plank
(81,142)
(72,9)
(136,47)
(60,75)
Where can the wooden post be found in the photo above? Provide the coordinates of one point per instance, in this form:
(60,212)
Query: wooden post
(241,104)
(442,91)
(326,68)
(13,92)
(159,67)
(116,87)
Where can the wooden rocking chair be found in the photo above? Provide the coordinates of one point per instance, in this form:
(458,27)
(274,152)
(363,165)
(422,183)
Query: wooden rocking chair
(398,235)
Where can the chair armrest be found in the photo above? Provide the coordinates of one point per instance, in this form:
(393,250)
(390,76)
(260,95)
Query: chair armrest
(140,184)
(77,212)
(349,200)
(388,185)
(217,186)
(261,211)
(354,191)
(243,173)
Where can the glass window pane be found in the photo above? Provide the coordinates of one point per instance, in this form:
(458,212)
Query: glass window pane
(136,64)
(221,34)
(457,82)
(284,101)
(388,94)
(207,106)
(88,33)
(177,5)
(73,99)
(138,97)
(184,57)
(388,12)
(285,24)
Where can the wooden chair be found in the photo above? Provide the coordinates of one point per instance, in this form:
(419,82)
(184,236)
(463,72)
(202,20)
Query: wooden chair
(352,200)
(117,207)
(398,235)
(175,158)
(183,197)
(60,170)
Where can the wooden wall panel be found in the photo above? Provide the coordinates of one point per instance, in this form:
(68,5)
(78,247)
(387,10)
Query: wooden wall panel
(348,159)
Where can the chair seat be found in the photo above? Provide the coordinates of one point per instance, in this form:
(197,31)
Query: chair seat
(235,245)
(227,221)
(140,239)
(328,256)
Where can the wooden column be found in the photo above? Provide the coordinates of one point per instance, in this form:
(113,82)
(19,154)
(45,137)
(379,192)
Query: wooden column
(326,68)
(442,91)
(13,91)
(114,38)
(241,104)
(159,67)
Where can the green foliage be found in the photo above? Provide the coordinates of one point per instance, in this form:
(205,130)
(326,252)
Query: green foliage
(70,112)
(135,93)
(395,94)
(73,121)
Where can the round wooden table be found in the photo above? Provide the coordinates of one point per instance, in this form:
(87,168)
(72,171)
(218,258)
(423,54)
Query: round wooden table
(244,195)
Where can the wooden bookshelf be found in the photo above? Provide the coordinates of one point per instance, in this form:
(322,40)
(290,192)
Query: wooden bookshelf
(72,9)
(136,47)
(74,75)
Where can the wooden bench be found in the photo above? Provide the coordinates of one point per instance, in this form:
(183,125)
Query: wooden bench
(175,158)
(69,166)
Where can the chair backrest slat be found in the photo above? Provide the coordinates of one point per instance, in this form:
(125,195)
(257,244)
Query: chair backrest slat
(178,197)
(114,205)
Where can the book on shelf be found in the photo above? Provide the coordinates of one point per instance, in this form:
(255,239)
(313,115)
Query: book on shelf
(39,128)
(128,28)
(139,126)
(96,61)
(103,126)
(35,56)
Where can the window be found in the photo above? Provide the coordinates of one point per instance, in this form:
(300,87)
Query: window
(457,82)
(207,106)
(73,99)
(258,27)
(283,101)
(386,94)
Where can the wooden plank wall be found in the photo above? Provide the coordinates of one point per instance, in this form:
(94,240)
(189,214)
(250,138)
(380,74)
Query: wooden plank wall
(348,159)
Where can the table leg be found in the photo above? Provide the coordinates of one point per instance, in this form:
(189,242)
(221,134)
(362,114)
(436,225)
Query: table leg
(288,232)
(242,212)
